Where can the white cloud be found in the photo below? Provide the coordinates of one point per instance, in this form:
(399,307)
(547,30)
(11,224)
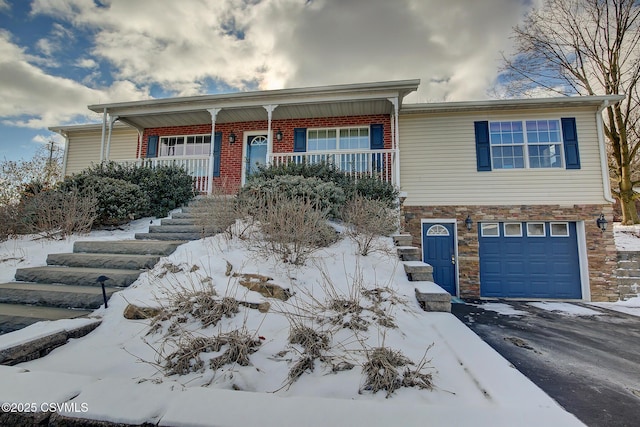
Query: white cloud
(88,63)
(4,6)
(452,45)
(32,98)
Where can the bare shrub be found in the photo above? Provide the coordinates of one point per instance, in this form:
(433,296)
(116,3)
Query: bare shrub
(187,358)
(216,213)
(292,229)
(381,371)
(367,220)
(8,221)
(58,214)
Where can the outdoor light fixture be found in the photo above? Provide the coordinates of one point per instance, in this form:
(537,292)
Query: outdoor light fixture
(468,222)
(232,137)
(279,135)
(602,222)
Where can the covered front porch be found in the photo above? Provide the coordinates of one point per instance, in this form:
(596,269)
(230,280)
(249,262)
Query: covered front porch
(221,139)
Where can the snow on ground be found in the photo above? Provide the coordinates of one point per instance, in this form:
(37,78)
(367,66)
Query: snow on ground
(565,308)
(627,237)
(630,306)
(121,362)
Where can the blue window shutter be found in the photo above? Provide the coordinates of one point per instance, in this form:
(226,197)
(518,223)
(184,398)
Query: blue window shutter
(570,137)
(300,139)
(483,148)
(152,146)
(377,137)
(217,145)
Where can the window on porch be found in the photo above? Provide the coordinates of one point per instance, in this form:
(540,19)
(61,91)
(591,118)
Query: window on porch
(191,145)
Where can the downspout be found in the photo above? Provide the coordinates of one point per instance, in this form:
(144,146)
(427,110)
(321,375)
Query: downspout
(111,122)
(214,113)
(269,109)
(66,152)
(396,145)
(104,130)
(603,153)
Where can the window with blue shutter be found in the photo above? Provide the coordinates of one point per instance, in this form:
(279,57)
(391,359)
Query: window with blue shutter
(377,137)
(300,139)
(152,146)
(483,148)
(217,146)
(570,139)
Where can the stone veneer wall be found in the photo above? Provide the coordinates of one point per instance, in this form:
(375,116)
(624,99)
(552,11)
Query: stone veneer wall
(601,250)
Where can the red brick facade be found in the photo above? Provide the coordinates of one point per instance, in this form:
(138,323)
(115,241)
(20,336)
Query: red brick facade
(231,161)
(601,250)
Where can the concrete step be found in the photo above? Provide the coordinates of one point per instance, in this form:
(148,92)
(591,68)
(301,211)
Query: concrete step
(168,236)
(628,281)
(77,276)
(175,229)
(173,221)
(628,255)
(624,272)
(135,247)
(402,239)
(52,295)
(120,261)
(409,253)
(16,316)
(418,271)
(630,264)
(432,297)
(179,215)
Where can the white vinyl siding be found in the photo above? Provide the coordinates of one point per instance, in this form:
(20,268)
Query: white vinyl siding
(438,163)
(84,148)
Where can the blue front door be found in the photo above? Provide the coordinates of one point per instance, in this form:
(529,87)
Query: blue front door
(438,250)
(256,152)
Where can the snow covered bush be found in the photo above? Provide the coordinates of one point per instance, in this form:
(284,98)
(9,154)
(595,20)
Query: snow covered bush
(367,220)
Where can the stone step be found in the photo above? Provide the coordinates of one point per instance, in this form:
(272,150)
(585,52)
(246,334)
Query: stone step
(119,261)
(628,281)
(168,236)
(432,297)
(418,271)
(180,215)
(53,295)
(628,255)
(17,316)
(174,221)
(402,239)
(409,253)
(630,264)
(175,229)
(128,247)
(77,276)
(624,272)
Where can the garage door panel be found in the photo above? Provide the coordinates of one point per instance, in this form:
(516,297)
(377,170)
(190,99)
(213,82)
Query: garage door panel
(530,267)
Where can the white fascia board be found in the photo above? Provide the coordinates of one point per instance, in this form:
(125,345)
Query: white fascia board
(509,104)
(85,127)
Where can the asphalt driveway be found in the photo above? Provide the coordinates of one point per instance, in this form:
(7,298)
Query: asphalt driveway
(590,364)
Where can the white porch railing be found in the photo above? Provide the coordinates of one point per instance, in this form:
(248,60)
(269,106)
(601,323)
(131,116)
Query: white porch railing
(196,166)
(356,163)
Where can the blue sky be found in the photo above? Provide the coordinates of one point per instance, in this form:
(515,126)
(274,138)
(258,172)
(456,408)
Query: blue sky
(58,56)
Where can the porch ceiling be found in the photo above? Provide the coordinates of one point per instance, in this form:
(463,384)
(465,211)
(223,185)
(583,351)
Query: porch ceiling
(327,101)
(249,114)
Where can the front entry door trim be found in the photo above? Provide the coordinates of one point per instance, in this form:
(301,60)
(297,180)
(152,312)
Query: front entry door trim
(454,222)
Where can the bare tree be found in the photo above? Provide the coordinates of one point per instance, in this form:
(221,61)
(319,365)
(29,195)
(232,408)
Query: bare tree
(587,47)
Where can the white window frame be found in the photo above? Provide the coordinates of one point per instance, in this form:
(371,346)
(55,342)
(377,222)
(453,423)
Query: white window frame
(437,230)
(337,130)
(566,224)
(504,229)
(482,226)
(525,144)
(184,145)
(544,229)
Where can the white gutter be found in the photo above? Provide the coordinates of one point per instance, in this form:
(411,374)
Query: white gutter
(111,122)
(66,152)
(104,131)
(604,165)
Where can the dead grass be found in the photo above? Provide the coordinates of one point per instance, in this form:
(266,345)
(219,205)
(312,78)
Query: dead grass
(369,219)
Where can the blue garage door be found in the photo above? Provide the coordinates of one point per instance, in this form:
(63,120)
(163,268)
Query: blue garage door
(529,260)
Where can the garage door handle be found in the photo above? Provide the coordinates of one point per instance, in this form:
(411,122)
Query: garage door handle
(453,259)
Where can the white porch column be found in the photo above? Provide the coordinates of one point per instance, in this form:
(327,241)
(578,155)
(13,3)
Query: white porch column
(112,120)
(269,109)
(104,129)
(214,113)
(396,140)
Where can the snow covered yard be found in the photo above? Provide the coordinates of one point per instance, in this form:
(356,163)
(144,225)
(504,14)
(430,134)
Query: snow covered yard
(122,371)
